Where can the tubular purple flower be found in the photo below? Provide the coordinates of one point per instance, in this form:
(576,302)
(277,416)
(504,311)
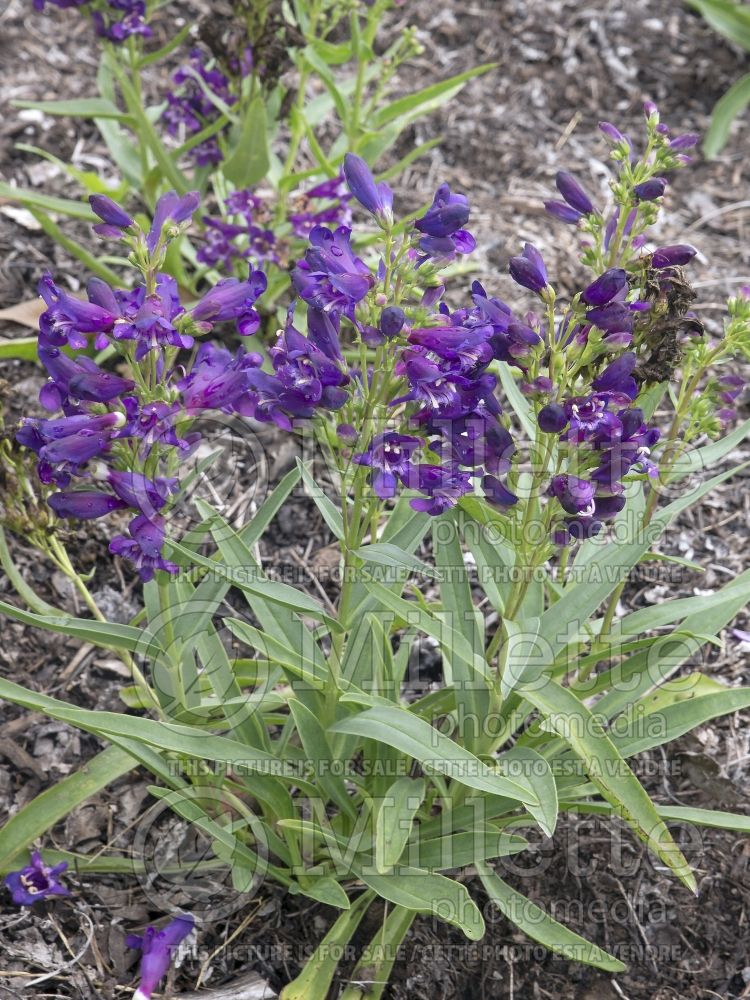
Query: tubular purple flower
(157,948)
(576,495)
(651,189)
(448,213)
(443,486)
(171,207)
(231,299)
(392,321)
(611,132)
(573,193)
(673,256)
(497,492)
(606,287)
(84,505)
(36,881)
(389,456)
(685,141)
(110,212)
(528,270)
(563,212)
(75,448)
(616,377)
(376,198)
(552,418)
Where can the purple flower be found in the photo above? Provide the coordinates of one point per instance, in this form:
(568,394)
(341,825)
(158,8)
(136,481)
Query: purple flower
(497,492)
(576,495)
(616,378)
(171,208)
(685,141)
(331,277)
(115,219)
(392,320)
(528,269)
(217,379)
(137,491)
(563,212)
(68,320)
(376,198)
(467,347)
(84,504)
(144,547)
(615,317)
(389,456)
(589,416)
(157,948)
(552,418)
(443,487)
(36,881)
(232,299)
(448,213)
(673,256)
(190,109)
(149,319)
(651,189)
(573,193)
(611,132)
(606,287)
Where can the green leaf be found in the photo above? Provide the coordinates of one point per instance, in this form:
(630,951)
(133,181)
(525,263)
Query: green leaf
(249,161)
(428,98)
(726,109)
(325,890)
(517,400)
(251,580)
(435,752)
(318,751)
(671,721)
(541,927)
(392,557)
(376,962)
(330,513)
(305,664)
(317,975)
(713,818)
(458,850)
(707,456)
(394,820)
(20,348)
(42,812)
(583,732)
(516,654)
(106,635)
(537,771)
(427,892)
(61,206)
(729,18)
(472,686)
(163,736)
(82,107)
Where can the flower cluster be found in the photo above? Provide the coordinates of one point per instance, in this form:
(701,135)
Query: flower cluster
(119,441)
(246,233)
(116,20)
(604,437)
(247,236)
(200,92)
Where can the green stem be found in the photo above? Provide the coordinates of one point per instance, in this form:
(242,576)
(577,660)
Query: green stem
(22,588)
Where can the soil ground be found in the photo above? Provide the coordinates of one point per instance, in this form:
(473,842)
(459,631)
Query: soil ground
(563,65)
